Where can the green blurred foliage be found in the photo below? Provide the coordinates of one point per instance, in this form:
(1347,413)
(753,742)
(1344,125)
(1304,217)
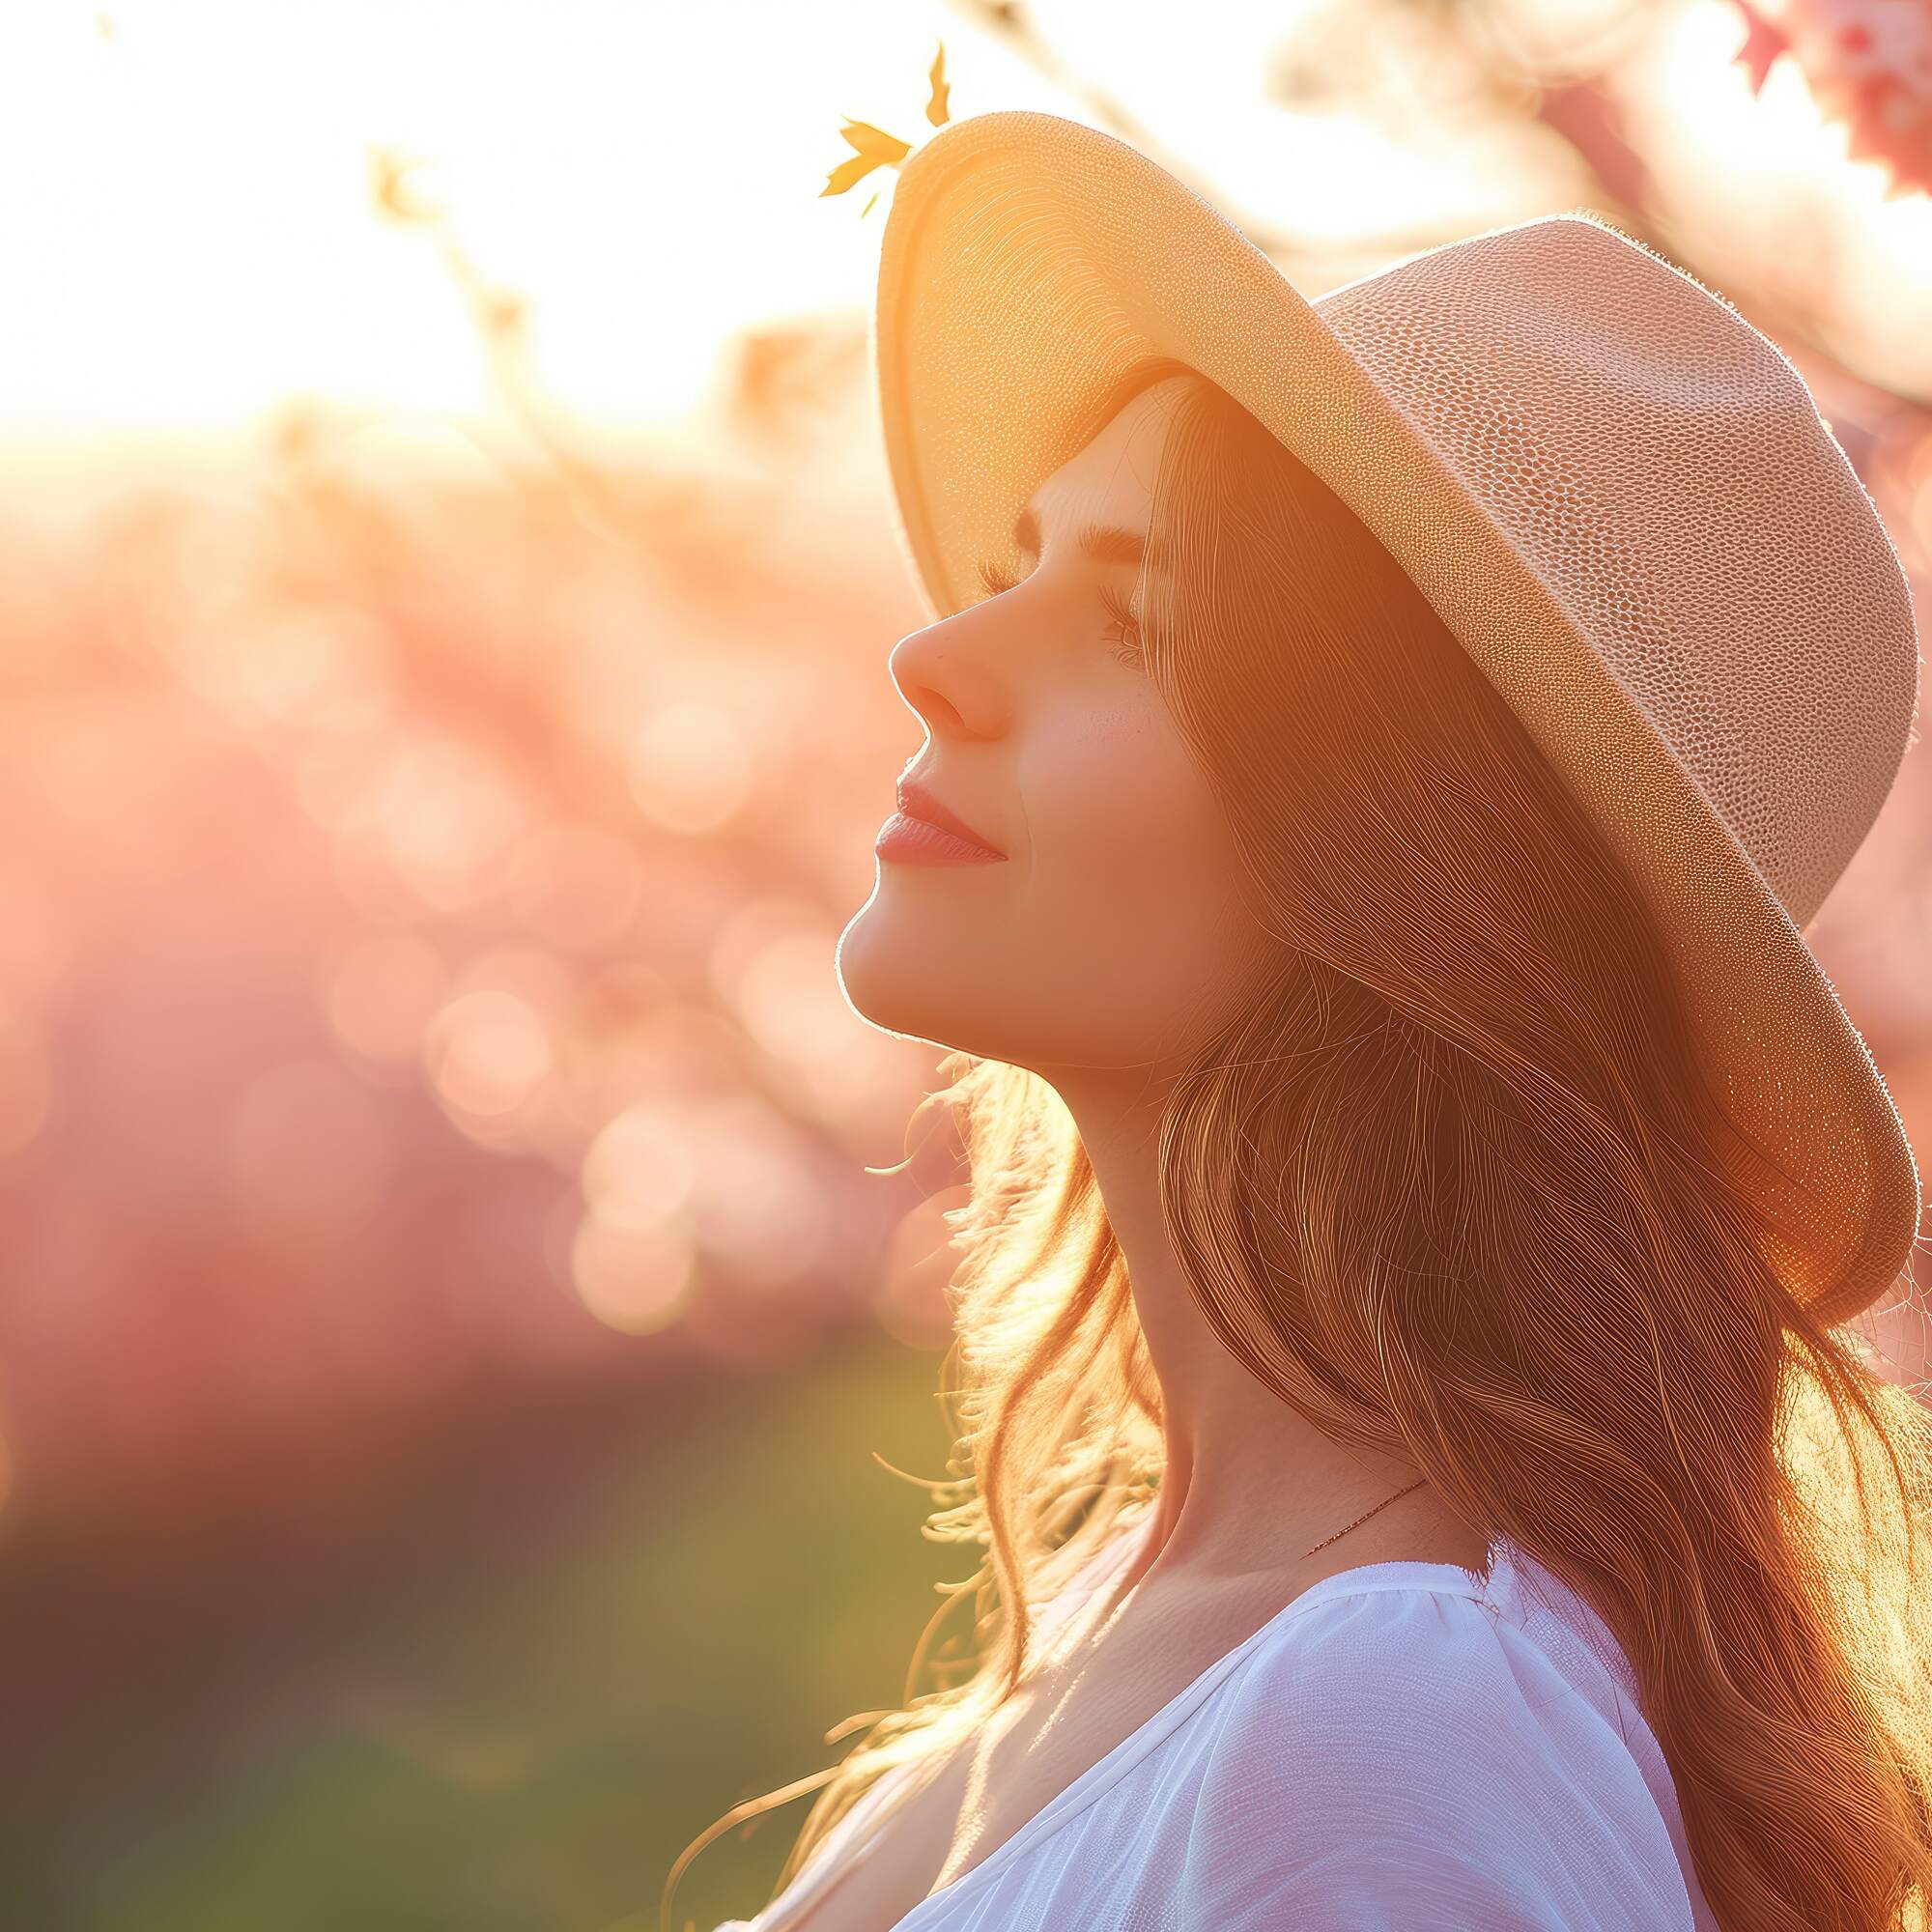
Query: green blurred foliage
(505,1726)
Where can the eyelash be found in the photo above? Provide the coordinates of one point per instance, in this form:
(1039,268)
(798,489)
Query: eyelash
(1127,649)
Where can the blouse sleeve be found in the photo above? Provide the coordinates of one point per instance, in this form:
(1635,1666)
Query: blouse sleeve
(1400,1760)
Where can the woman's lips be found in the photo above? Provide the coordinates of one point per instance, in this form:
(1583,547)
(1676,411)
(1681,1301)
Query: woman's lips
(926,831)
(912,842)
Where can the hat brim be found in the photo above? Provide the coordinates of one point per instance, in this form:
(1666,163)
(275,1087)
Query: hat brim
(1027,261)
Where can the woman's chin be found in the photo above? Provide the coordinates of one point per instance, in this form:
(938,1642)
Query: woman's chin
(894,977)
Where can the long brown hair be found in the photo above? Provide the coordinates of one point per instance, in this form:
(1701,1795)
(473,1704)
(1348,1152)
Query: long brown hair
(1453,1188)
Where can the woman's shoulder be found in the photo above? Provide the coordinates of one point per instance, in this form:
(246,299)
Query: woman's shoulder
(1407,1659)
(1405,1736)
(1383,1654)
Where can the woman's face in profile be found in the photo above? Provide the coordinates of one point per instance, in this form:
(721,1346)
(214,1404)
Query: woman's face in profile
(1111,933)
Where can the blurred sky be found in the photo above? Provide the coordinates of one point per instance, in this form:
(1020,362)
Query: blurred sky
(191,240)
(186,200)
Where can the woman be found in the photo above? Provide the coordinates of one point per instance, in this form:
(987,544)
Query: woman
(1421,1182)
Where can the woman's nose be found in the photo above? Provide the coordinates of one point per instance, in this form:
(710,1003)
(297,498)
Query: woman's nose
(948,681)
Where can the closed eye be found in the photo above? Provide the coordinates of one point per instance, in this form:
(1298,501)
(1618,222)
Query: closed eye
(1127,648)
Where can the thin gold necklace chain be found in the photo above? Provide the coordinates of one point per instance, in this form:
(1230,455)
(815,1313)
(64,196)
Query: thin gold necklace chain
(1364,1516)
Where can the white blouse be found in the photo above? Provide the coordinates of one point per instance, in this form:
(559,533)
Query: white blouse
(1401,1748)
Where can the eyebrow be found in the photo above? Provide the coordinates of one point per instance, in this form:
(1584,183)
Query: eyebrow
(1103,542)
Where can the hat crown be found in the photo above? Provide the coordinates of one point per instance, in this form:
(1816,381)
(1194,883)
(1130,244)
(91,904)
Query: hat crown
(1666,471)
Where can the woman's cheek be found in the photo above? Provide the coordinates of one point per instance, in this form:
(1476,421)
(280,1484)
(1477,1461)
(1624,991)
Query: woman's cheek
(1120,786)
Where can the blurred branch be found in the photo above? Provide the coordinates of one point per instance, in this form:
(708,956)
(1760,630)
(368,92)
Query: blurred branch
(1554,77)
(1291,251)
(610,508)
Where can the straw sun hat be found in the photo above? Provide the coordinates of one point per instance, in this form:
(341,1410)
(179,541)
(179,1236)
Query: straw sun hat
(1619,497)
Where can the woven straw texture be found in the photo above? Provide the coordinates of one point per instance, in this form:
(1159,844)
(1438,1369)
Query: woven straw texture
(1618,494)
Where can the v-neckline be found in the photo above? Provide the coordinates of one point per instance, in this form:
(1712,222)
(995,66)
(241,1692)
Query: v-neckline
(1396,1573)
